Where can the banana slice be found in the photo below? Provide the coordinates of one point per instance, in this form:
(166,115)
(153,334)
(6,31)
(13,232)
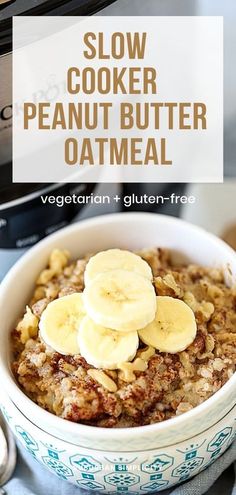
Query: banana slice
(120,300)
(115,259)
(105,348)
(174,327)
(60,322)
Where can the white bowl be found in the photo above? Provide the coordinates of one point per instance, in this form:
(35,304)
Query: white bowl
(130,472)
(132,231)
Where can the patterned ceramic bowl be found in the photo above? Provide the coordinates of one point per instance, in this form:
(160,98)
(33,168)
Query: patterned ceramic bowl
(146,444)
(130,472)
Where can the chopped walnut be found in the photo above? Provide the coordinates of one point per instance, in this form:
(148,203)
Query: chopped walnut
(205,308)
(146,354)
(57,261)
(28,326)
(103,379)
(45,276)
(167,286)
(127,369)
(51,290)
(39,293)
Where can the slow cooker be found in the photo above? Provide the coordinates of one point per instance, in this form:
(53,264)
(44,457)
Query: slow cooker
(23,218)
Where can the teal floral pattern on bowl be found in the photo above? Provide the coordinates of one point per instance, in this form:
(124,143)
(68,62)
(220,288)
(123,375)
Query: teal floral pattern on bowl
(126,472)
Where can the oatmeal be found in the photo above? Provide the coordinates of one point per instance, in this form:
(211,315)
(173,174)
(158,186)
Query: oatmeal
(147,386)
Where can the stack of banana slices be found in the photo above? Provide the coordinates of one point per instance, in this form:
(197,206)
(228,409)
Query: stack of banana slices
(118,307)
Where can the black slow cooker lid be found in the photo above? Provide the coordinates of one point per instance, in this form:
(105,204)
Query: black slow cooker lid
(9,191)
(42,7)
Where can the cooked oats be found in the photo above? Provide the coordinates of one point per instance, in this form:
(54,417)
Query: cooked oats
(156,386)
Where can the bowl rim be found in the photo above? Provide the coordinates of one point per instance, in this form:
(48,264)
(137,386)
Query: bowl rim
(231,412)
(66,426)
